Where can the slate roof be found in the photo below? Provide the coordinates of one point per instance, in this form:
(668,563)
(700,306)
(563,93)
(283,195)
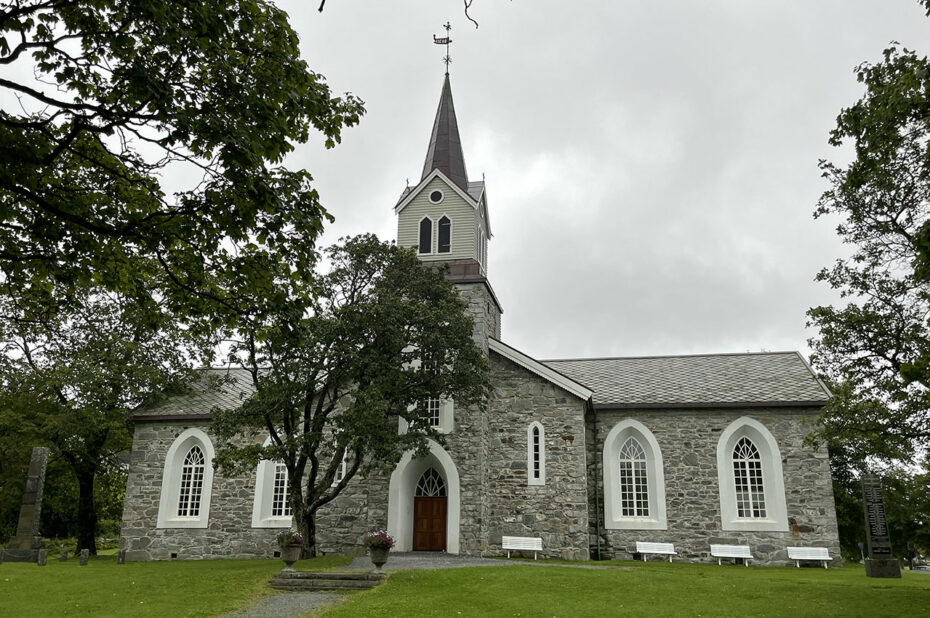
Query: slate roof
(770,378)
(445,145)
(204,397)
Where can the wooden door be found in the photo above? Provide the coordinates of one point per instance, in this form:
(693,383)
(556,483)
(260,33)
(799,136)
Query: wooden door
(429,524)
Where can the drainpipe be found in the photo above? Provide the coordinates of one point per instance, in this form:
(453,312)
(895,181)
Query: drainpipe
(597,476)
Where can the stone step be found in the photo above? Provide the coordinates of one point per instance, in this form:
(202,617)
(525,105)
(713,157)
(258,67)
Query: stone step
(306,581)
(330,575)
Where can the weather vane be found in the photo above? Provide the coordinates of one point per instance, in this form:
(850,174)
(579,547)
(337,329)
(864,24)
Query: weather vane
(445,41)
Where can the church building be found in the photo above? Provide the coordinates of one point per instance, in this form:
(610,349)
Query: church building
(591,454)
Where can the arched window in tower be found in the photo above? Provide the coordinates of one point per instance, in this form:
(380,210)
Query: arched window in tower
(747,477)
(431,485)
(426,235)
(191,483)
(634,485)
(445,235)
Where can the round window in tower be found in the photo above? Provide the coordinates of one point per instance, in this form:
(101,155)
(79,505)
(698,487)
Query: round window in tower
(436,196)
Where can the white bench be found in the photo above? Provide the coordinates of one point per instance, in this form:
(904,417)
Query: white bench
(731,551)
(809,553)
(656,548)
(526,543)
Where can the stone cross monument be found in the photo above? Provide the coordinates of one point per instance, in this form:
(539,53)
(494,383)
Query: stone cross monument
(24,547)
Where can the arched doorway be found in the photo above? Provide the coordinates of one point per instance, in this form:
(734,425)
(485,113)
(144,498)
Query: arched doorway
(403,492)
(429,512)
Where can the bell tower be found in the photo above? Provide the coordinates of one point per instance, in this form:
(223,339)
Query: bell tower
(445,219)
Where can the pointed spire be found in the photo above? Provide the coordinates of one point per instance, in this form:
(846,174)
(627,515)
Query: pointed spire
(445,147)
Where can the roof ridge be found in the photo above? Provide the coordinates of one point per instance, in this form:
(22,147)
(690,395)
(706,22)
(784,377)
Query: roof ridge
(699,355)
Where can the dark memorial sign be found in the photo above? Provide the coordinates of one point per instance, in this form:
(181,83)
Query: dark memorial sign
(880,561)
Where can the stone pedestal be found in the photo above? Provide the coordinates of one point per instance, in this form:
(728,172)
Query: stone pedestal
(25,546)
(882,567)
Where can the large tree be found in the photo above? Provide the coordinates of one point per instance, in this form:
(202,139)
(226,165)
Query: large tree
(102,99)
(72,370)
(878,344)
(335,368)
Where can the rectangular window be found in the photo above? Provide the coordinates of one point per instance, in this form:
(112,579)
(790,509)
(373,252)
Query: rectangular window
(280,506)
(432,412)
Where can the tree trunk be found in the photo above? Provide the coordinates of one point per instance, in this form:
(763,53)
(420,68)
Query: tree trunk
(307,529)
(87,512)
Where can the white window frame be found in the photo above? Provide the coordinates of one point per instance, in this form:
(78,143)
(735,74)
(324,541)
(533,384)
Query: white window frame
(530,479)
(264,496)
(341,470)
(655,478)
(446,418)
(171,481)
(773,481)
(451,235)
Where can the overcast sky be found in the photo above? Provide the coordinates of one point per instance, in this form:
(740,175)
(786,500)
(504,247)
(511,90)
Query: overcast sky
(651,167)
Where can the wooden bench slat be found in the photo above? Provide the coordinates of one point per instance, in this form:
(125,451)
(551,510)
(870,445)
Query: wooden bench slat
(527,543)
(731,551)
(644,547)
(821,554)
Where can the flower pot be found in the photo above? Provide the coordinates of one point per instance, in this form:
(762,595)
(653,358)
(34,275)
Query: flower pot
(291,554)
(379,557)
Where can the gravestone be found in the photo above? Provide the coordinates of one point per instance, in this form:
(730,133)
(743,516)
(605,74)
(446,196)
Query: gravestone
(85,553)
(121,557)
(43,557)
(880,561)
(63,555)
(25,546)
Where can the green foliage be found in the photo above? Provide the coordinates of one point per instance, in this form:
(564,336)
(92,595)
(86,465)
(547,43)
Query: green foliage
(75,363)
(335,367)
(879,344)
(126,90)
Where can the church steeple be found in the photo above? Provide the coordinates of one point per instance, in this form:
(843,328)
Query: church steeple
(445,146)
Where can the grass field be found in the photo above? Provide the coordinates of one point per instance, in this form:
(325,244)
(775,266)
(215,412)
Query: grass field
(209,588)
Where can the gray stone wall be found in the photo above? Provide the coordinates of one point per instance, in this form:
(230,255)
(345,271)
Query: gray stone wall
(557,511)
(688,440)
(229,533)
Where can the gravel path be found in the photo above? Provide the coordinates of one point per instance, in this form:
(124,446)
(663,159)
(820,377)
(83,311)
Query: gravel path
(286,605)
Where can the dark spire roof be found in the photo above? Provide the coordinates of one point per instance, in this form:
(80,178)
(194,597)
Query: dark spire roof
(445,147)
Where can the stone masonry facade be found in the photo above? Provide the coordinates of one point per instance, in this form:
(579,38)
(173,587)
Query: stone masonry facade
(688,440)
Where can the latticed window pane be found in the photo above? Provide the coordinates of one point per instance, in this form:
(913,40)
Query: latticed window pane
(432,412)
(537,460)
(191,483)
(280,506)
(431,485)
(747,476)
(634,483)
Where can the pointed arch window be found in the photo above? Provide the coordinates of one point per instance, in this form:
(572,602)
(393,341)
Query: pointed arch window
(187,482)
(445,235)
(634,479)
(431,485)
(191,483)
(426,235)
(750,478)
(535,454)
(747,477)
(634,485)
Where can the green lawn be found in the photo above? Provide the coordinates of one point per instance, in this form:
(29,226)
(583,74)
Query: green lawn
(653,589)
(209,588)
(103,588)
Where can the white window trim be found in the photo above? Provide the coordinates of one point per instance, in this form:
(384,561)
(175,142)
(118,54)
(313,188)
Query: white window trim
(655,478)
(341,470)
(429,196)
(171,481)
(773,480)
(529,454)
(264,496)
(446,418)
